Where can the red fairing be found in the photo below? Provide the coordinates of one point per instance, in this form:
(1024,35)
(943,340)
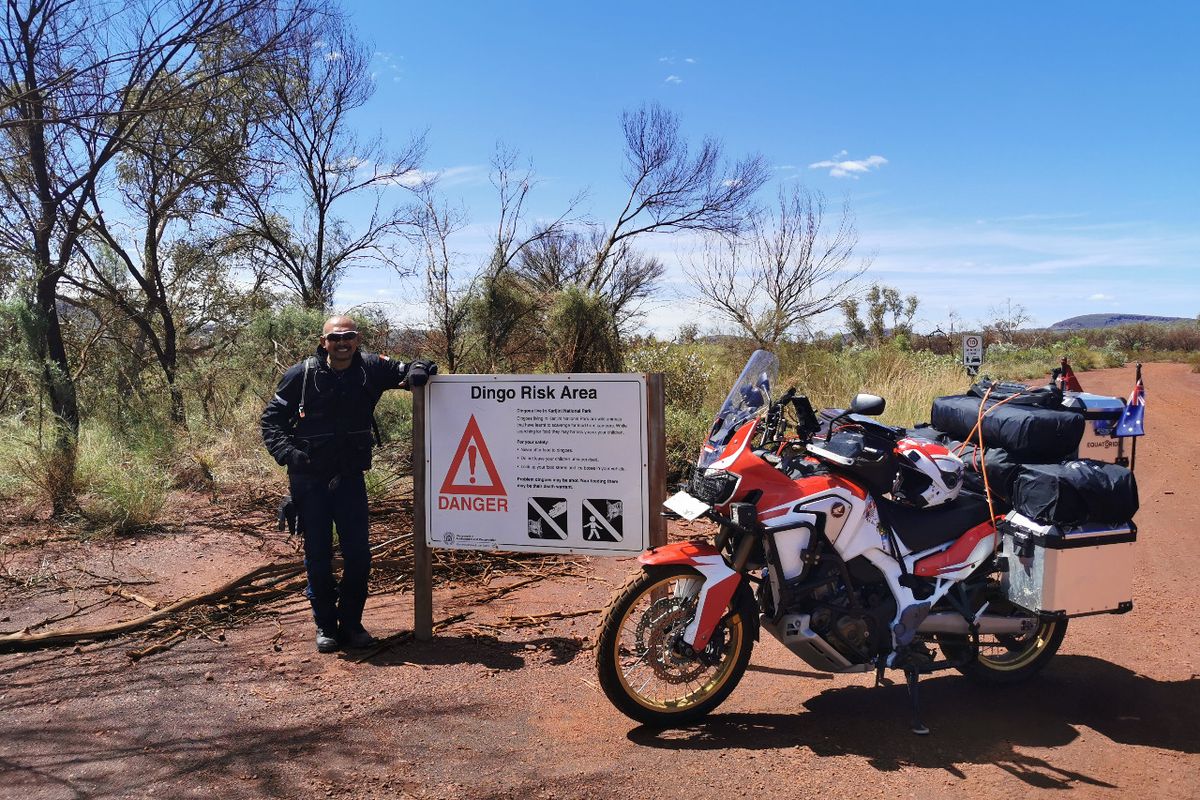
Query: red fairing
(955,555)
(720,583)
(678,553)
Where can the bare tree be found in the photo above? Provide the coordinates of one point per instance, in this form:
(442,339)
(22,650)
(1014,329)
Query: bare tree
(569,258)
(492,299)
(1005,319)
(789,269)
(446,290)
(78,79)
(176,171)
(670,189)
(313,164)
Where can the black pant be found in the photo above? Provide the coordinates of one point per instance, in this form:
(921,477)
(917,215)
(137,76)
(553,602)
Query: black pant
(319,508)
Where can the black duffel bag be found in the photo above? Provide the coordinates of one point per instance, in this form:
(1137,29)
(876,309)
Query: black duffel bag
(1028,433)
(1042,396)
(1000,466)
(1075,492)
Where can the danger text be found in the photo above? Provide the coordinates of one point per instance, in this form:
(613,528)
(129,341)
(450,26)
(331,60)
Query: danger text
(471,503)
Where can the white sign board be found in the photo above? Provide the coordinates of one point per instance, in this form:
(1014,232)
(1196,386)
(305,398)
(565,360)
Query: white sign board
(972,350)
(537,463)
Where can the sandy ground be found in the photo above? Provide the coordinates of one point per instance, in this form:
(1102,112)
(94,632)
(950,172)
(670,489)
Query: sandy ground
(260,714)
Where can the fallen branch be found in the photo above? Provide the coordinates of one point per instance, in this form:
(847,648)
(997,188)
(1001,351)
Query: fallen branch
(21,641)
(117,591)
(530,620)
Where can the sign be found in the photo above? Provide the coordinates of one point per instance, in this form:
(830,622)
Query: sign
(972,350)
(537,463)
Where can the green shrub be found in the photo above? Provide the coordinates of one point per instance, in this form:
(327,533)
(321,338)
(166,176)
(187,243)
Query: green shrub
(120,489)
(686,432)
(687,375)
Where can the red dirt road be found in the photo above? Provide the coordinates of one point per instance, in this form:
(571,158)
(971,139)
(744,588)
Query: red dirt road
(1115,715)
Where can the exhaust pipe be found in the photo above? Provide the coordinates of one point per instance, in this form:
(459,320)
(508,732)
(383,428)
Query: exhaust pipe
(949,622)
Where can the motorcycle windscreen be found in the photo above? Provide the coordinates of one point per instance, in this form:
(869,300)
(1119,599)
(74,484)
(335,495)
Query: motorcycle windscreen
(751,393)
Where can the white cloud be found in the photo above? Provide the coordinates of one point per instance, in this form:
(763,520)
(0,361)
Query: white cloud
(1099,296)
(689,61)
(849,168)
(666,60)
(674,79)
(450,176)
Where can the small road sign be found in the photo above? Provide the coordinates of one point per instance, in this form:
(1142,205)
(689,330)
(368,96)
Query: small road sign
(972,350)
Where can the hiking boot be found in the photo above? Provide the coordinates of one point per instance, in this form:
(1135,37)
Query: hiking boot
(326,643)
(357,639)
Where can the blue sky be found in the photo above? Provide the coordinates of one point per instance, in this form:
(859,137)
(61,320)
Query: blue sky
(1043,152)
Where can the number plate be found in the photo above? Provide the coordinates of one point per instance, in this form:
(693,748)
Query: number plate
(687,506)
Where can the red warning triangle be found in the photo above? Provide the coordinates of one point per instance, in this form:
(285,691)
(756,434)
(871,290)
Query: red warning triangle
(472,447)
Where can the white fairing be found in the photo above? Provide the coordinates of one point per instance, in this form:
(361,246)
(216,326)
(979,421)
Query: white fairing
(714,569)
(860,532)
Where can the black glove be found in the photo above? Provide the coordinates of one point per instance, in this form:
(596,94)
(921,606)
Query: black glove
(298,459)
(419,372)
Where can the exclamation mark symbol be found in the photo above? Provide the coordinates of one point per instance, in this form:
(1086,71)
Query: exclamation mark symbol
(471,450)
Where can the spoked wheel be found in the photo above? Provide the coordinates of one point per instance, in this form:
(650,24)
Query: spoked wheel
(1006,659)
(644,667)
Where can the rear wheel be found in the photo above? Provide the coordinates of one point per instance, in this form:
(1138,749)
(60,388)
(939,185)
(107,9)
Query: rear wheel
(643,666)
(1006,659)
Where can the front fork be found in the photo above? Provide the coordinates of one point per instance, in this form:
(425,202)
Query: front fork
(721,579)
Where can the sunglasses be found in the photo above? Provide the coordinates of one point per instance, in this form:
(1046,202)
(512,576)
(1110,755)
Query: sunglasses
(341,337)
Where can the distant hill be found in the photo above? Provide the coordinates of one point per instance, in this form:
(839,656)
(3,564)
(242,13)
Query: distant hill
(1109,320)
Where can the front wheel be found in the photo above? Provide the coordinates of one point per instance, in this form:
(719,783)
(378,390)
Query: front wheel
(642,665)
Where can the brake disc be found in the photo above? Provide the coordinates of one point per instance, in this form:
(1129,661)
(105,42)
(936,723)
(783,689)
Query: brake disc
(658,633)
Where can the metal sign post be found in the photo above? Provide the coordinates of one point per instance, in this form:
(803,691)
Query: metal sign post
(422,558)
(973,353)
(536,463)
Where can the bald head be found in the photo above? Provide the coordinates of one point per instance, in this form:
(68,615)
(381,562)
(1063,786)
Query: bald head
(339,324)
(339,337)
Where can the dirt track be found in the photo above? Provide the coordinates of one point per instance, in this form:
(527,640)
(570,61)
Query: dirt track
(1114,715)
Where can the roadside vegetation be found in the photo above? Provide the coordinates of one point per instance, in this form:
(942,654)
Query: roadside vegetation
(130,456)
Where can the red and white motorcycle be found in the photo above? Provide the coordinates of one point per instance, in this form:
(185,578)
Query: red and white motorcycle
(848,541)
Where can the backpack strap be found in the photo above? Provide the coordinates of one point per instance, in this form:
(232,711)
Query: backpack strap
(309,364)
(369,385)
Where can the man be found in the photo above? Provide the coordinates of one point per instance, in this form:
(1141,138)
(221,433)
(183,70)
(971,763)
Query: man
(319,425)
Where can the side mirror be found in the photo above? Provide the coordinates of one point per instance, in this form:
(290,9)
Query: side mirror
(869,405)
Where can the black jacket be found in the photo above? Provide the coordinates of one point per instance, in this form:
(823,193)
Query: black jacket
(335,427)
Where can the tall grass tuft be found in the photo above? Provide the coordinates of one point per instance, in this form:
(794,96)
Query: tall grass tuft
(122,489)
(907,380)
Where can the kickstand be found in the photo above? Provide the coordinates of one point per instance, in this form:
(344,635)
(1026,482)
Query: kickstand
(918,727)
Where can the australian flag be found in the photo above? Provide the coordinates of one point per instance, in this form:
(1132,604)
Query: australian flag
(1133,420)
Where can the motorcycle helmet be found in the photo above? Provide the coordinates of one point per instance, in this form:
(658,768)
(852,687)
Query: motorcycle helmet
(930,475)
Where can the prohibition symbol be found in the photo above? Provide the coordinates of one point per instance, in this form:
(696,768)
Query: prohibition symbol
(464,476)
(547,518)
(602,521)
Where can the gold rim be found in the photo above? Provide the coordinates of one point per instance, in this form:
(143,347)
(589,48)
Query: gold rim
(645,672)
(1011,653)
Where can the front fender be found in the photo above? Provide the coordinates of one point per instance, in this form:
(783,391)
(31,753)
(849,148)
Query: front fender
(720,583)
(678,553)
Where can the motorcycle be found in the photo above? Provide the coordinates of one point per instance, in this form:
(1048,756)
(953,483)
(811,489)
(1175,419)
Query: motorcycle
(846,539)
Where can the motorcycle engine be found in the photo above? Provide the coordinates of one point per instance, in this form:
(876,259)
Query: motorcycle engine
(854,620)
